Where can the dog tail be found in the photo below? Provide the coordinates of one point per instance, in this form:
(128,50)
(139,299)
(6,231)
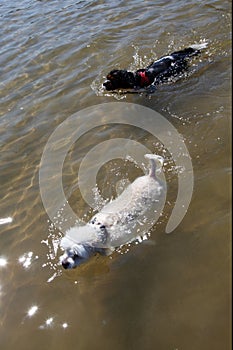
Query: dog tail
(192,50)
(156,163)
(197,48)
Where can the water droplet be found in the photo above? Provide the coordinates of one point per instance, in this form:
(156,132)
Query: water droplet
(3,262)
(32,311)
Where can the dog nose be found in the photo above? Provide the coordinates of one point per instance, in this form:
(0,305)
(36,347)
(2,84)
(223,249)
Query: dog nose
(65,264)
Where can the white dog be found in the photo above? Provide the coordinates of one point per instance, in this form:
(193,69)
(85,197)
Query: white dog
(120,221)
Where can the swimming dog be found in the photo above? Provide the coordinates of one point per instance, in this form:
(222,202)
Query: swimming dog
(156,73)
(120,221)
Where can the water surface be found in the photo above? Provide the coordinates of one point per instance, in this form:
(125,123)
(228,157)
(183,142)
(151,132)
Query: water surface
(173,293)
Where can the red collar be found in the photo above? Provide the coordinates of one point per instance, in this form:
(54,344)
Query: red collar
(145,81)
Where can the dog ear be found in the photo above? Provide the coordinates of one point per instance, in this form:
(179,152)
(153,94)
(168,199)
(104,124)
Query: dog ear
(65,243)
(109,76)
(114,74)
(80,251)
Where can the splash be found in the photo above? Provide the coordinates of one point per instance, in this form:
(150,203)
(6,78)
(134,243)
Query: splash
(139,62)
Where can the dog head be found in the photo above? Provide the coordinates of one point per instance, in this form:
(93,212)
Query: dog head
(119,79)
(80,243)
(74,255)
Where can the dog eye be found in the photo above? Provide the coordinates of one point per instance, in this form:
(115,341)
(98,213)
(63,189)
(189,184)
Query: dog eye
(93,221)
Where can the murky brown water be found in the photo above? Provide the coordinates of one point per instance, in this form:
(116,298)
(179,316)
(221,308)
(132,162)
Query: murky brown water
(171,294)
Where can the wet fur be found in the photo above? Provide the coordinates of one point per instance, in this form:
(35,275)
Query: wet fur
(118,222)
(156,73)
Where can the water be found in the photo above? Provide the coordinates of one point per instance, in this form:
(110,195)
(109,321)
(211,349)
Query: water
(172,293)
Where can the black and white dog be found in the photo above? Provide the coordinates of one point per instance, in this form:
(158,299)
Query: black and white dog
(120,221)
(156,73)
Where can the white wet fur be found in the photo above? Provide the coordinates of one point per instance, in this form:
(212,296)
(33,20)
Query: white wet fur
(120,221)
(200,46)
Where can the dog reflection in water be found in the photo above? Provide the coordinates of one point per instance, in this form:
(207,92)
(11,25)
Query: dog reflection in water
(120,221)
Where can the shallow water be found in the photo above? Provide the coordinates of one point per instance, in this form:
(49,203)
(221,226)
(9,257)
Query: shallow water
(171,292)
